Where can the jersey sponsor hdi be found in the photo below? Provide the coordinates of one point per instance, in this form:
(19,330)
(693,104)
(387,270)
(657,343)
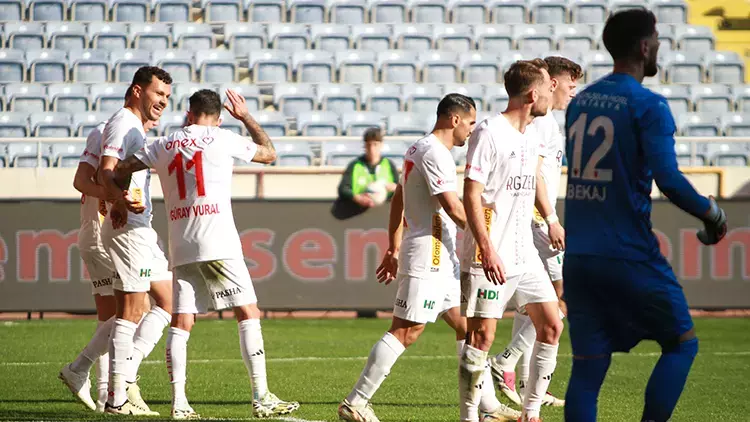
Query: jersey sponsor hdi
(195,168)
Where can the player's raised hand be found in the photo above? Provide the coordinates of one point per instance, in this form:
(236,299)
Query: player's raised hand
(388,268)
(236,105)
(133,205)
(557,236)
(493,267)
(715,224)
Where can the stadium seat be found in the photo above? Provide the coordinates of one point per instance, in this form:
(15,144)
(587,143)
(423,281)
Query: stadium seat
(179,64)
(292,99)
(24,35)
(307,11)
(724,67)
(388,11)
(355,124)
(382,98)
(683,67)
(89,10)
(455,38)
(493,38)
(84,123)
(293,154)
(12,10)
(697,124)
(273,123)
(125,63)
(270,66)
(340,153)
(242,38)
(251,94)
(549,11)
(89,66)
(694,38)
(318,123)
(12,66)
(670,11)
(66,36)
(68,98)
(536,38)
(588,11)
(407,124)
(131,10)
(621,5)
(479,67)
(414,37)
(288,37)
(170,121)
(598,64)
(50,124)
(468,11)
(215,11)
(667,36)
(181,94)
(428,11)
(509,57)
(497,98)
(374,37)
(314,66)
(46,10)
(108,36)
(439,67)
(47,65)
(216,66)
(193,36)
(266,10)
(422,98)
(736,124)
(742,97)
(172,10)
(576,37)
(337,98)
(711,98)
(66,154)
(150,36)
(683,151)
(473,91)
(678,97)
(398,66)
(26,97)
(329,37)
(27,154)
(356,66)
(728,154)
(508,11)
(14,125)
(108,97)
(350,12)
(395,151)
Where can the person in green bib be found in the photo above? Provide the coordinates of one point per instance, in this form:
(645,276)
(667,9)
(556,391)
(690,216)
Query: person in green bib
(367,169)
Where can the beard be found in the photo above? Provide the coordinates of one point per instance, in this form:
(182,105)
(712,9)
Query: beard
(650,69)
(538,111)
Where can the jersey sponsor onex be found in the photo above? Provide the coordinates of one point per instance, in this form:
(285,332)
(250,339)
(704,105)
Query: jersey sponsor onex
(195,168)
(124,136)
(429,244)
(504,160)
(89,236)
(551,148)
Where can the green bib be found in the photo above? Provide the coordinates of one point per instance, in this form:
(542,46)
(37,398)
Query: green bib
(361,176)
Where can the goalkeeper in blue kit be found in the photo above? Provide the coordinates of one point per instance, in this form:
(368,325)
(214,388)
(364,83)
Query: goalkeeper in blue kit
(618,287)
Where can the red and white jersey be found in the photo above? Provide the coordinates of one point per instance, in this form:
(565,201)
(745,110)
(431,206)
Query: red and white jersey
(124,136)
(89,236)
(195,169)
(504,160)
(552,144)
(428,247)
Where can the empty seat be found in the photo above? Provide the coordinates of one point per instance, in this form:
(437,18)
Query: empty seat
(242,38)
(26,98)
(407,124)
(382,98)
(47,65)
(216,66)
(356,66)
(480,67)
(131,10)
(667,36)
(14,125)
(742,97)
(493,38)
(66,35)
(222,10)
(683,67)
(341,153)
(620,5)
(12,66)
(456,38)
(423,98)
(697,124)
(68,98)
(711,98)
(181,94)
(318,123)
(150,36)
(727,154)
(66,154)
(27,154)
(388,11)
(266,10)
(288,37)
(355,124)
(736,124)
(469,11)
(694,38)
(398,66)
(536,38)
(428,11)
(508,11)
(338,98)
(575,37)
(292,99)
(416,37)
(687,157)
(588,11)
(108,97)
(473,91)
(193,36)
(497,98)
(272,122)
(125,63)
(24,35)
(351,12)
(670,11)
(84,123)
(170,121)
(47,10)
(395,151)
(724,67)
(293,154)
(440,67)
(307,11)
(89,66)
(89,10)
(331,38)
(549,11)
(375,37)
(11,11)
(314,66)
(179,64)
(598,64)
(108,35)
(50,124)
(172,10)
(678,97)
(251,94)
(270,66)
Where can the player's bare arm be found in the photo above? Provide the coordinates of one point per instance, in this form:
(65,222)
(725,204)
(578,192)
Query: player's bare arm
(237,107)
(85,181)
(541,201)
(124,170)
(491,263)
(453,207)
(113,192)
(388,268)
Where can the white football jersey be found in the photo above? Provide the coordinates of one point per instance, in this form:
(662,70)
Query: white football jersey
(504,160)
(124,136)
(89,236)
(195,170)
(429,242)
(552,144)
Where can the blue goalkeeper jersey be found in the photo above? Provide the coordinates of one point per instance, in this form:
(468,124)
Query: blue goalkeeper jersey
(619,139)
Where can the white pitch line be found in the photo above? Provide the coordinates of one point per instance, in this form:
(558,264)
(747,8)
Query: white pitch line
(357,358)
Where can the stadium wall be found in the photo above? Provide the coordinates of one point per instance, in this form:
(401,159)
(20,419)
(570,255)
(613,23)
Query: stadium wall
(301,257)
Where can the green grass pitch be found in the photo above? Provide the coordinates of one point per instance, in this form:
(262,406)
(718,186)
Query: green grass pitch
(317,361)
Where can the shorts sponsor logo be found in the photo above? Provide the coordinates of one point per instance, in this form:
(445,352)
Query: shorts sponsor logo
(401,303)
(429,304)
(487,225)
(103,282)
(437,242)
(487,294)
(145,272)
(228,292)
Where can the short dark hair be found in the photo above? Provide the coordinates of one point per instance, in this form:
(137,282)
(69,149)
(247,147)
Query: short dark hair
(625,30)
(557,66)
(129,92)
(373,134)
(145,74)
(455,102)
(205,102)
(522,75)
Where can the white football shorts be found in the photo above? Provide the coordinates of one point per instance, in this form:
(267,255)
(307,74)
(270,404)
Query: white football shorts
(423,300)
(101,271)
(480,298)
(551,258)
(220,284)
(137,257)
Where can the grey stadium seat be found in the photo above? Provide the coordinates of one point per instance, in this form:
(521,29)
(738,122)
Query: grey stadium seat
(493,38)
(314,66)
(355,124)
(25,35)
(216,66)
(698,124)
(266,10)
(373,37)
(667,35)
(270,66)
(574,37)
(350,12)
(598,64)
(12,10)
(193,36)
(456,38)
(150,36)
(172,10)
(468,11)
(341,153)
(288,37)
(724,67)
(394,151)
(251,93)
(620,5)
(407,124)
(50,124)
(440,67)
(415,37)
(307,11)
(356,66)
(728,154)
(736,124)
(331,38)
(678,97)
(242,38)
(497,98)
(170,121)
(181,94)
(66,36)
(480,67)
(69,98)
(388,11)
(179,64)
(47,10)
(130,10)
(508,11)
(683,151)
(318,123)
(125,63)
(684,67)
(108,36)
(89,10)
(273,123)
(510,57)
(66,154)
(588,11)
(473,91)
(89,66)
(222,10)
(428,11)
(382,98)
(293,154)
(670,11)
(549,11)
(292,99)
(14,125)
(108,97)
(338,98)
(85,122)
(26,97)
(398,66)
(712,98)
(47,65)
(694,38)
(536,38)
(12,66)
(27,154)
(422,98)
(742,97)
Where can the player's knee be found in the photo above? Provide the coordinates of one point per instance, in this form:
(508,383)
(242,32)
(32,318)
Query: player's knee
(407,335)
(481,339)
(183,321)
(550,332)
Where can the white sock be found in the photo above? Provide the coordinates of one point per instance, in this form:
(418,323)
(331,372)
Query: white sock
(543,364)
(177,363)
(488,402)
(97,346)
(149,332)
(251,346)
(382,358)
(120,349)
(470,376)
(522,371)
(460,349)
(102,364)
(522,339)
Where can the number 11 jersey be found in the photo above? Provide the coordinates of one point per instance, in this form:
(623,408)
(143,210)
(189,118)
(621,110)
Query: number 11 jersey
(195,170)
